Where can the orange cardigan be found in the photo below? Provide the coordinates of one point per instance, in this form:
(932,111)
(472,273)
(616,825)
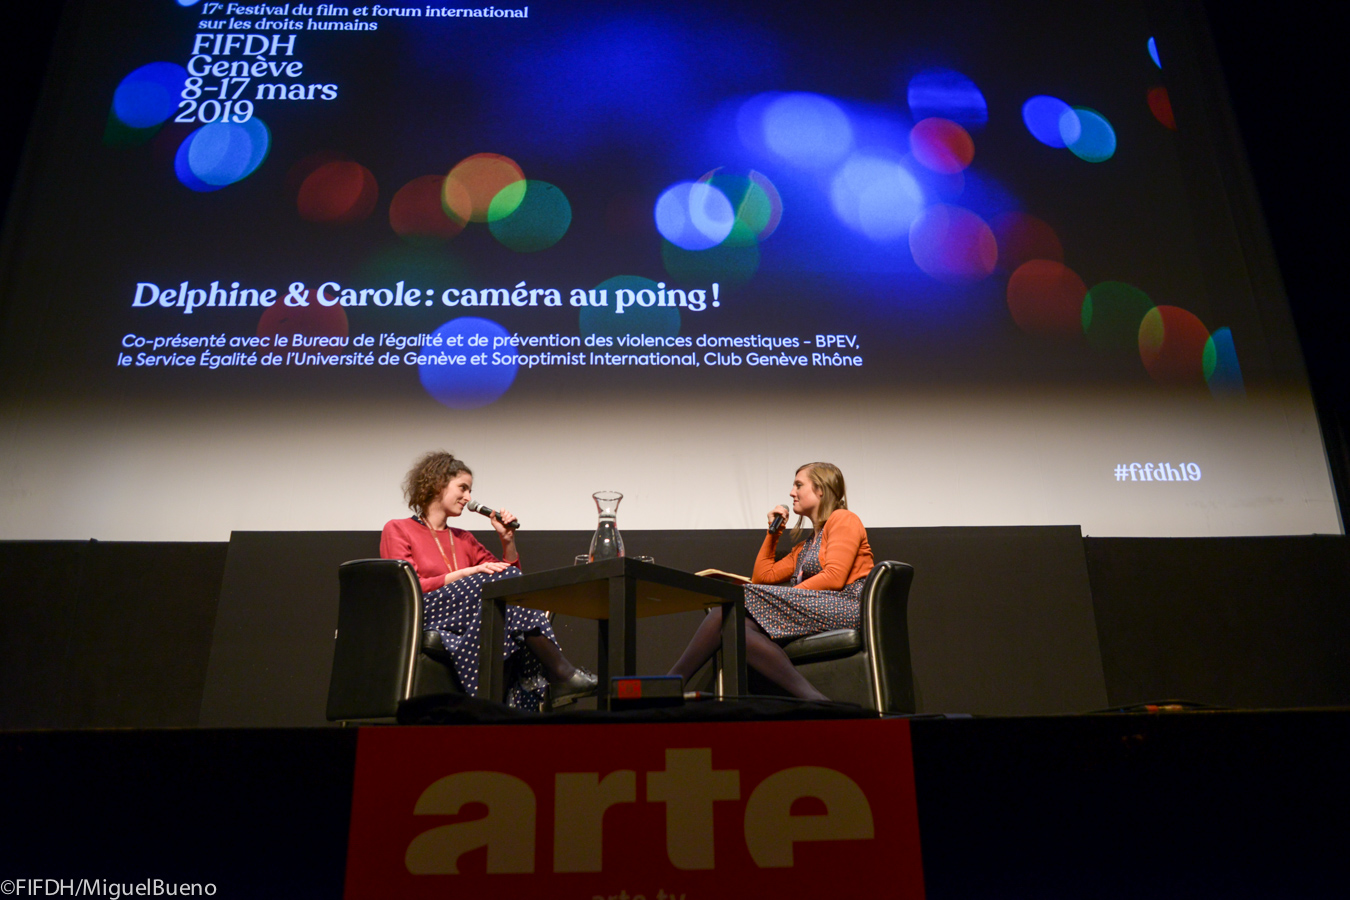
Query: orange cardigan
(845,556)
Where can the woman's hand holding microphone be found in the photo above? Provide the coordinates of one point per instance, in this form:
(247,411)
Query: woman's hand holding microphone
(499,521)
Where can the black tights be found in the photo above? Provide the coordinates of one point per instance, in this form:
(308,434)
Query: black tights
(761,653)
(556,666)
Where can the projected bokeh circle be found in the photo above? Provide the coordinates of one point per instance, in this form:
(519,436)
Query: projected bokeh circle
(947,94)
(1112,314)
(727,264)
(1160,104)
(149,95)
(1045,297)
(313,320)
(877,197)
(755,200)
(1043,114)
(942,145)
(466,385)
(221,154)
(475,181)
(341,192)
(807,130)
(1172,344)
(645,315)
(1088,135)
(416,213)
(694,215)
(1220,361)
(529,216)
(953,244)
(1023,237)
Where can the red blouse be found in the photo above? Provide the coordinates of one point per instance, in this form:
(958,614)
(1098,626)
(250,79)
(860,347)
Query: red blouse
(411,540)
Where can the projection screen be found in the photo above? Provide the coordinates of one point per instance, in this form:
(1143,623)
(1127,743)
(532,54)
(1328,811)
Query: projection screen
(999,262)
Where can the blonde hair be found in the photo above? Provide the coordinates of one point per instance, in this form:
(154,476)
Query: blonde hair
(428,477)
(829,483)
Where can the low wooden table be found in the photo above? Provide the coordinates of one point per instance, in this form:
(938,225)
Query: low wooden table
(616,593)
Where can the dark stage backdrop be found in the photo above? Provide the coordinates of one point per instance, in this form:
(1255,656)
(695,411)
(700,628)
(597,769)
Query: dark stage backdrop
(99,634)
(1003,621)
(999,261)
(1240,622)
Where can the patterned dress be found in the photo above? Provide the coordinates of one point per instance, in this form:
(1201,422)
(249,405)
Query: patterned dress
(456,613)
(454,610)
(785,612)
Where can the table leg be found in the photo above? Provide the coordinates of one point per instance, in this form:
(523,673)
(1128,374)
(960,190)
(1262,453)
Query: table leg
(602,665)
(491,663)
(621,639)
(734,678)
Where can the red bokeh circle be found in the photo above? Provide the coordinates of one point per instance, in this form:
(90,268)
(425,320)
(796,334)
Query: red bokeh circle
(1161,105)
(1022,238)
(337,193)
(1172,346)
(953,244)
(311,321)
(416,212)
(1045,297)
(942,146)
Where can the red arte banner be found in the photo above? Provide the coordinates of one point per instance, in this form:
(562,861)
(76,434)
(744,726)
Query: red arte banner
(685,811)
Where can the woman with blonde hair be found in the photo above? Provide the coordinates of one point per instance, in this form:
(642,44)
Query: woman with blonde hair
(816,587)
(453,566)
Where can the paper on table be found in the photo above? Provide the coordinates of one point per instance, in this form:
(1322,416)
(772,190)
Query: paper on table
(719,575)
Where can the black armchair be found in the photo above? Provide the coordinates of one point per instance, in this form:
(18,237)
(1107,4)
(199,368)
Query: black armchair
(381,655)
(868,665)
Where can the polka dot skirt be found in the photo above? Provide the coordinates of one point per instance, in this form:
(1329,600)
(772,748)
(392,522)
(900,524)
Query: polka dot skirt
(455,612)
(790,612)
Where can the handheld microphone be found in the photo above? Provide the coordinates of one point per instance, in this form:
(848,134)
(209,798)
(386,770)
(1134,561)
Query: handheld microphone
(777,524)
(477,507)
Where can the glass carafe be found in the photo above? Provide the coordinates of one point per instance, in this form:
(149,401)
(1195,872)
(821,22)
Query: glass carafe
(607,543)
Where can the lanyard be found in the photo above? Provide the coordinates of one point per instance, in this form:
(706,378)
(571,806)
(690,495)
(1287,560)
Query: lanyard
(450,567)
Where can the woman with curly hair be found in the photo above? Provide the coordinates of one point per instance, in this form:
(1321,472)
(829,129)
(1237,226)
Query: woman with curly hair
(453,566)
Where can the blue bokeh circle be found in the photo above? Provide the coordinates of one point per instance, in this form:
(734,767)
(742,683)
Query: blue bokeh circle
(694,215)
(149,95)
(807,130)
(183,169)
(947,94)
(877,197)
(467,385)
(1042,115)
(221,153)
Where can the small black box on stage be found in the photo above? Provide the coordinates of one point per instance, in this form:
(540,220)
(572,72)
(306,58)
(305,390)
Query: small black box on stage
(646,692)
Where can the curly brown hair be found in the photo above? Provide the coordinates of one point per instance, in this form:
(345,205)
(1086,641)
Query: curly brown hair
(428,477)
